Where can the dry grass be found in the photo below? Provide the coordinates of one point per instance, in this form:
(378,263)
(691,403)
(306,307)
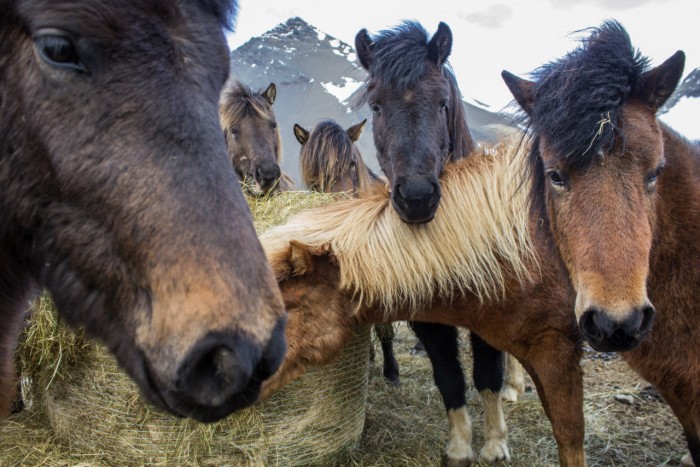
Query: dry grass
(407,425)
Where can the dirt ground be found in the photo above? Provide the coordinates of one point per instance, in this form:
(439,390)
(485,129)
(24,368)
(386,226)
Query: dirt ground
(407,425)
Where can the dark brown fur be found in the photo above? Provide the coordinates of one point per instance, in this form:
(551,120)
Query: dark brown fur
(252,137)
(117,196)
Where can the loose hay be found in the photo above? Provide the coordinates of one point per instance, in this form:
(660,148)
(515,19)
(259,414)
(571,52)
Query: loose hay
(82,408)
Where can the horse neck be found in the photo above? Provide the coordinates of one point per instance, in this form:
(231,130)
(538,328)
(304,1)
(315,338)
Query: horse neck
(678,205)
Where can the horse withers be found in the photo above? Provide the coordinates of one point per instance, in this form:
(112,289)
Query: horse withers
(618,194)
(116,194)
(253,138)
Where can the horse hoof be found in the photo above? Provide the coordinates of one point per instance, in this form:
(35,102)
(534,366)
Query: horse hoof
(393,380)
(464,462)
(510,394)
(687,461)
(495,450)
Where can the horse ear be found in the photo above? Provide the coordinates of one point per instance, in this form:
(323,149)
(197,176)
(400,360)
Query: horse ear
(440,45)
(301,134)
(522,89)
(363,47)
(658,84)
(300,258)
(355,131)
(270,93)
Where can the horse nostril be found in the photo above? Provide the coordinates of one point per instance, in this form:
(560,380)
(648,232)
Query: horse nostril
(215,371)
(595,324)
(648,314)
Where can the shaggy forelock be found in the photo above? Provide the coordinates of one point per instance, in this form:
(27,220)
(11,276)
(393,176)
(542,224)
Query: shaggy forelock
(400,55)
(578,98)
(326,157)
(238,101)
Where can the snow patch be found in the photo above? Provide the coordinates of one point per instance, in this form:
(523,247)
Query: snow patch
(344,91)
(321,35)
(334,43)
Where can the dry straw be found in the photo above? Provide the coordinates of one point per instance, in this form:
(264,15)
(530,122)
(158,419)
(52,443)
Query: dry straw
(83,409)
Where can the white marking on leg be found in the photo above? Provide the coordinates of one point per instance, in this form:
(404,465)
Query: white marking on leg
(459,443)
(514,383)
(495,430)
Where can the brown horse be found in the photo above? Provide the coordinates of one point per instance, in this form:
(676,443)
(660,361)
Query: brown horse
(617,194)
(329,161)
(117,196)
(475,265)
(253,138)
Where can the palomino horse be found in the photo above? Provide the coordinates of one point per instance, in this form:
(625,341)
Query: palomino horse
(617,194)
(330,162)
(253,138)
(475,265)
(117,196)
(419,126)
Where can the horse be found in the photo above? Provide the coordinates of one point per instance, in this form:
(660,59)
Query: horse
(355,262)
(116,196)
(617,193)
(330,162)
(253,138)
(419,126)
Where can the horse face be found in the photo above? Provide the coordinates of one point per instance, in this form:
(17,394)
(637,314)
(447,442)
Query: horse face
(254,147)
(412,140)
(602,218)
(602,213)
(122,202)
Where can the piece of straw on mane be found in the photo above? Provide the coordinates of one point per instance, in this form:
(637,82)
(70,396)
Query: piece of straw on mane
(479,235)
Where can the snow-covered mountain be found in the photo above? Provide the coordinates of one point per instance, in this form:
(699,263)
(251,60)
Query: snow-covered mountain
(316,76)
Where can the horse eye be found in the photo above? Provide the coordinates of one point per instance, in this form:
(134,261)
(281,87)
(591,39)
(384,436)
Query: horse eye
(443,105)
(273,125)
(59,51)
(376,109)
(555,179)
(652,178)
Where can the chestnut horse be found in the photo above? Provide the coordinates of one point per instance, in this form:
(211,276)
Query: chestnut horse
(116,195)
(617,194)
(475,265)
(253,138)
(419,126)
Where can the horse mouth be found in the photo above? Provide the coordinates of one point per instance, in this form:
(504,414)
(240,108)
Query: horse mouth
(415,214)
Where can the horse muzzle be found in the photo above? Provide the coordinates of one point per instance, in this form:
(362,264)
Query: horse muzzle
(416,198)
(221,374)
(607,334)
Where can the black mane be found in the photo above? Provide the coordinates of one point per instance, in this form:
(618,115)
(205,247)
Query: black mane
(578,98)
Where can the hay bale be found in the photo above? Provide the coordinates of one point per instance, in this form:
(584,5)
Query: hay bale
(94,411)
(83,408)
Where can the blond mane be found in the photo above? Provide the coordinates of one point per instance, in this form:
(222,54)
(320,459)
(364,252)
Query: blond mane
(479,236)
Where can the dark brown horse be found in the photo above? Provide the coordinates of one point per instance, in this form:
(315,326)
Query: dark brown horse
(618,196)
(117,196)
(418,116)
(252,137)
(420,126)
(329,161)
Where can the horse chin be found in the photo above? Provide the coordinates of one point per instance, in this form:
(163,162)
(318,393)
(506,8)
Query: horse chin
(413,214)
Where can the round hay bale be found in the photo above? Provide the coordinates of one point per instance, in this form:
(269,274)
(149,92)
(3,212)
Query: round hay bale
(95,411)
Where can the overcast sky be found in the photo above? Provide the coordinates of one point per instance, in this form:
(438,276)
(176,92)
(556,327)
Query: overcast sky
(517,35)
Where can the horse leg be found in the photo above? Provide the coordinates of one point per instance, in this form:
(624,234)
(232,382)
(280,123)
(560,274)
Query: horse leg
(555,369)
(488,379)
(514,384)
(686,411)
(441,345)
(385,334)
